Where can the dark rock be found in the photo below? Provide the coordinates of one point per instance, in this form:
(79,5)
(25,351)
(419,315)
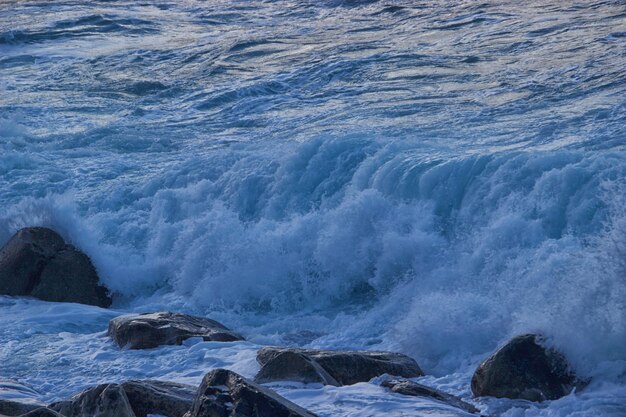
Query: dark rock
(15,408)
(23,258)
(226,394)
(159,397)
(406,387)
(106,400)
(526,370)
(148,330)
(294,366)
(332,367)
(37,262)
(42,412)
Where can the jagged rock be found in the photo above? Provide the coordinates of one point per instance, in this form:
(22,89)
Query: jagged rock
(106,400)
(42,412)
(406,387)
(526,370)
(331,367)
(224,393)
(37,262)
(148,330)
(159,397)
(15,408)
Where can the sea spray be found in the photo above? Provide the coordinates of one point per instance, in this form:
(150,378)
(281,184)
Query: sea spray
(431,178)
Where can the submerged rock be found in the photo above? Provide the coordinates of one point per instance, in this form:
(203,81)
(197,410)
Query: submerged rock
(149,330)
(42,412)
(224,393)
(16,398)
(37,262)
(331,367)
(526,370)
(16,408)
(406,387)
(13,389)
(106,400)
(168,399)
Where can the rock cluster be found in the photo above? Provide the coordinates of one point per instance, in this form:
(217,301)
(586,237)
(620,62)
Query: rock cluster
(37,262)
(222,393)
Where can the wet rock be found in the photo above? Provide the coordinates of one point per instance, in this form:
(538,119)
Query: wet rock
(226,394)
(331,367)
(37,262)
(42,412)
(523,369)
(15,408)
(168,399)
(149,330)
(11,389)
(106,400)
(16,398)
(288,365)
(406,387)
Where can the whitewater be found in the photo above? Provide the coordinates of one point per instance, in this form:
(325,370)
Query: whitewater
(428,177)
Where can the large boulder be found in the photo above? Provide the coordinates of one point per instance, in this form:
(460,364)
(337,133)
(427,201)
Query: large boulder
(106,400)
(168,399)
(37,262)
(414,389)
(524,369)
(149,330)
(226,394)
(331,367)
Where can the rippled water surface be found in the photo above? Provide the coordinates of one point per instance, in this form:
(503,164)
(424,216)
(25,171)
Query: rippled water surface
(431,177)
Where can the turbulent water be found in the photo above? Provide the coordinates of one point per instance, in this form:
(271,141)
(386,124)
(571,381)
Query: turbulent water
(430,177)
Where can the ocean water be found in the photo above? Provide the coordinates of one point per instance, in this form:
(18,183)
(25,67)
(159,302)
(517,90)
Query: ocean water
(428,177)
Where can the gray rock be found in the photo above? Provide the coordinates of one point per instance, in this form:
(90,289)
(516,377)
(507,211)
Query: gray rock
(15,408)
(42,412)
(106,400)
(332,367)
(226,394)
(37,262)
(149,330)
(159,397)
(523,369)
(288,365)
(406,387)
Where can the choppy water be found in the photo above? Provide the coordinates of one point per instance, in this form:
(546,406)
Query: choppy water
(423,176)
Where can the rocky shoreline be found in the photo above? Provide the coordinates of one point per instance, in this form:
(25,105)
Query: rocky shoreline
(37,262)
